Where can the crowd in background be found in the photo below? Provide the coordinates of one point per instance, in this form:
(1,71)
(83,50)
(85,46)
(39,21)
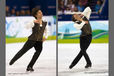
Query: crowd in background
(14,12)
(64,6)
(98,5)
(67,6)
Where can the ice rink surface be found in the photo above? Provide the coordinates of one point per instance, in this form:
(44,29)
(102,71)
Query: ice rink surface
(45,65)
(98,54)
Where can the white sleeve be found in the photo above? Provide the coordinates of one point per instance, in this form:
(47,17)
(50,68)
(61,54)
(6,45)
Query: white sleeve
(87,12)
(29,25)
(46,32)
(79,26)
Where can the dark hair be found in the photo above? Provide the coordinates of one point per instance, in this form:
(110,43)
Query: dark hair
(73,19)
(34,12)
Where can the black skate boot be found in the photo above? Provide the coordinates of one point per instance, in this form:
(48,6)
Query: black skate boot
(29,69)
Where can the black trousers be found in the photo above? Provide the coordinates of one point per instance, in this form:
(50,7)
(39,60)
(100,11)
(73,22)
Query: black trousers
(84,44)
(28,45)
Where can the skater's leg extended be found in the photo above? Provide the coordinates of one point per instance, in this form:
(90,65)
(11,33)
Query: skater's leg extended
(38,48)
(29,44)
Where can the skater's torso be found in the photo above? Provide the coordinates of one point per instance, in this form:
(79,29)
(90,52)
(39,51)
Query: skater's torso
(37,31)
(86,29)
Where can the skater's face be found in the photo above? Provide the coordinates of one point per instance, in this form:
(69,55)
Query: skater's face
(39,14)
(81,15)
(76,16)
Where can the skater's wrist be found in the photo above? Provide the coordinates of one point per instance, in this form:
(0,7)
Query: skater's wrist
(44,39)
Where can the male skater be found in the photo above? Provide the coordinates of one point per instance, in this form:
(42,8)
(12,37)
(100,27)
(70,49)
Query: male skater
(35,39)
(82,22)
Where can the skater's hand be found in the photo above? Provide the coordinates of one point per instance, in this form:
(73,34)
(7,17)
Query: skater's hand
(76,16)
(86,22)
(37,21)
(81,15)
(44,39)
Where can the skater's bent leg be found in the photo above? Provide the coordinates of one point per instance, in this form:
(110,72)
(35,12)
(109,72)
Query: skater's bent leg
(38,48)
(85,46)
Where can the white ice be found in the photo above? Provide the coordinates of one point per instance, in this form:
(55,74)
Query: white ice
(45,65)
(98,54)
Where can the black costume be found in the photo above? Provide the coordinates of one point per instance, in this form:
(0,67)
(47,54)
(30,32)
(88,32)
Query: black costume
(85,40)
(34,40)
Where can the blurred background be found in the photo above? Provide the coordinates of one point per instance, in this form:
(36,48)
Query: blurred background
(18,14)
(98,20)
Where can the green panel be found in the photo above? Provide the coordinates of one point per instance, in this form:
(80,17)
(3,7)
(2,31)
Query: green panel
(101,40)
(16,40)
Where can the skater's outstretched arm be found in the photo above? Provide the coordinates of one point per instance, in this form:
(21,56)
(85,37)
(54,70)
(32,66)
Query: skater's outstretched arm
(87,12)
